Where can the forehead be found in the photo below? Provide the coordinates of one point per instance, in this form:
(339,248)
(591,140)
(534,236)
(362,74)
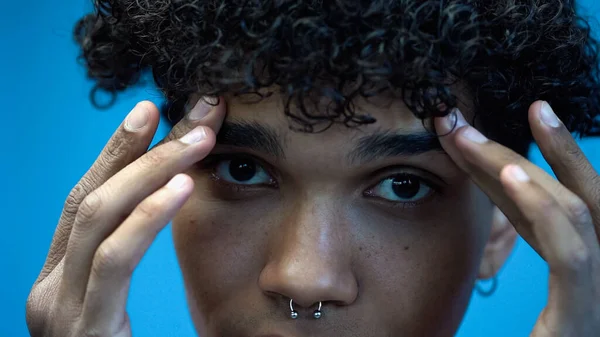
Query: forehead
(390,113)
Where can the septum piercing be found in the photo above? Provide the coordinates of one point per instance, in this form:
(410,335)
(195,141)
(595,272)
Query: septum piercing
(317,313)
(294,314)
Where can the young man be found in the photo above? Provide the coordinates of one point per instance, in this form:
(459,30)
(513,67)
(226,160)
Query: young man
(338,185)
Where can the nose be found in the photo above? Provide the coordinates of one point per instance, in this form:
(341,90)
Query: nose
(310,258)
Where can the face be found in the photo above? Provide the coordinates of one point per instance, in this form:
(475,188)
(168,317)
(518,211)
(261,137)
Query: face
(375,222)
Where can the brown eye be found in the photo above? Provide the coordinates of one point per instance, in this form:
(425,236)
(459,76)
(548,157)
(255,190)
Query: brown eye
(402,188)
(243,171)
(405,186)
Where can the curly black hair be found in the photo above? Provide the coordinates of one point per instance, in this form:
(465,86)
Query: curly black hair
(508,53)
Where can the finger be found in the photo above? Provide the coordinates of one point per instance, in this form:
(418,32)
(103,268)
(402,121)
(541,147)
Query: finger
(571,166)
(483,159)
(105,208)
(130,141)
(207,111)
(568,257)
(118,256)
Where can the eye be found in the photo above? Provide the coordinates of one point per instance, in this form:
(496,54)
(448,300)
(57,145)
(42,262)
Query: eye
(402,188)
(242,171)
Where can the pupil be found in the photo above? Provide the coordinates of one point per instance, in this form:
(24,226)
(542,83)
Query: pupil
(405,186)
(242,169)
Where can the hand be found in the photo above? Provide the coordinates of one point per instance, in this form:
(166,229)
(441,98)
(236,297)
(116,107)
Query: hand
(560,218)
(110,219)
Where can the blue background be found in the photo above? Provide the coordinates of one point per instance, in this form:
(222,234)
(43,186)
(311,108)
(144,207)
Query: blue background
(51,136)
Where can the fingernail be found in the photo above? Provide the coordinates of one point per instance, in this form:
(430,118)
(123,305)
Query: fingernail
(473,135)
(453,121)
(548,116)
(177,182)
(136,119)
(194,136)
(202,108)
(517,173)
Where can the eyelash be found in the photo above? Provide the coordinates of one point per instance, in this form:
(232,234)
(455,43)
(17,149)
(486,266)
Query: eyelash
(211,162)
(434,187)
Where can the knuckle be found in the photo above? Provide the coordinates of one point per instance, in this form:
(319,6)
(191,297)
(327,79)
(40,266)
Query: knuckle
(516,158)
(75,197)
(114,148)
(87,328)
(513,157)
(92,332)
(89,207)
(148,209)
(578,211)
(152,159)
(547,205)
(73,200)
(33,312)
(574,154)
(92,179)
(93,329)
(107,261)
(576,260)
(114,152)
(38,309)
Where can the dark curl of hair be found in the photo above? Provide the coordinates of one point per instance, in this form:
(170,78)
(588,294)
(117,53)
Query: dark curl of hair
(507,53)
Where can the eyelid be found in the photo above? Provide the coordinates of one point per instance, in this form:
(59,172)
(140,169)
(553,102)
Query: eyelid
(222,149)
(370,191)
(240,187)
(210,163)
(427,177)
(214,158)
(435,192)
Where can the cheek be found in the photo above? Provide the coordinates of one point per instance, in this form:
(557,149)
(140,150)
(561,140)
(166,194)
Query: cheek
(220,248)
(425,268)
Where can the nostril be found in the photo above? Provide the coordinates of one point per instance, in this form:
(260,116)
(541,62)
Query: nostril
(308,288)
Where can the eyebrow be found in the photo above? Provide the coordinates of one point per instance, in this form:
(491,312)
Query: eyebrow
(251,135)
(390,144)
(264,139)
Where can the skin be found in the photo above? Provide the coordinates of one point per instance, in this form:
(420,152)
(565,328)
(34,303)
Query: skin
(321,234)
(316,237)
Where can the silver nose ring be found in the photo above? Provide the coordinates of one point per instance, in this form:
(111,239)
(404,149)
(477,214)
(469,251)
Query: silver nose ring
(317,313)
(294,314)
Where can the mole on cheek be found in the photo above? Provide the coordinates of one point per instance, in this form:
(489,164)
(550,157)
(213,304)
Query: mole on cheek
(406,247)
